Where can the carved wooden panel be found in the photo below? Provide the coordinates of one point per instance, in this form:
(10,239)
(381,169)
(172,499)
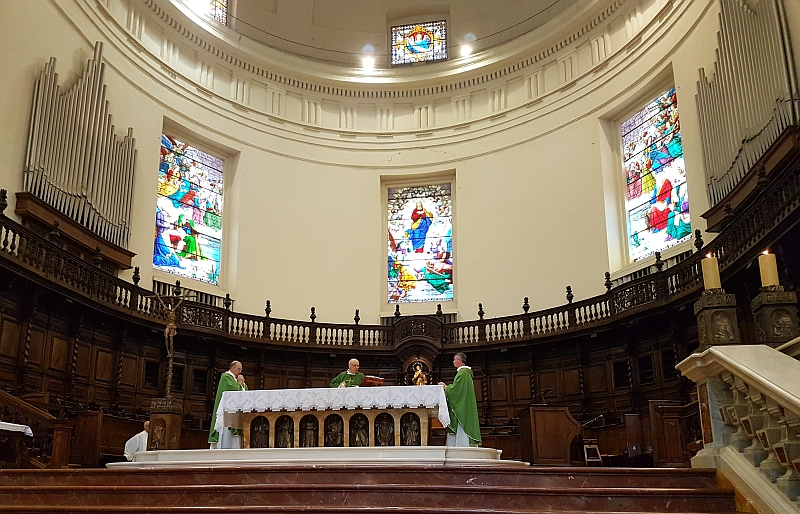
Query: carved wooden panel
(572,381)
(476,384)
(37,346)
(272,382)
(319,382)
(129,367)
(598,379)
(104,365)
(522,387)
(9,338)
(84,359)
(58,353)
(295,383)
(548,379)
(499,388)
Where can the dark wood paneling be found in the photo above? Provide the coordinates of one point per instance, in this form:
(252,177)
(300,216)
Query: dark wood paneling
(84,359)
(499,388)
(58,353)
(9,340)
(598,379)
(572,381)
(104,365)
(35,354)
(129,367)
(522,386)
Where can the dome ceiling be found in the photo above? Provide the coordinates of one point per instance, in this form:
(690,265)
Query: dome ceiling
(342,31)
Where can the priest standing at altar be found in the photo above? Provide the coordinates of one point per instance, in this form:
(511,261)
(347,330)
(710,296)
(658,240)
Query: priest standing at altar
(231,380)
(349,378)
(464,429)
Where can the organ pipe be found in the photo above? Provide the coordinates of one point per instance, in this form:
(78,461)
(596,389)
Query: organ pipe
(75,162)
(752,95)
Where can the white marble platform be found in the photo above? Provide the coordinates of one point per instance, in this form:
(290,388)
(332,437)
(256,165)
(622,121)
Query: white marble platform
(427,455)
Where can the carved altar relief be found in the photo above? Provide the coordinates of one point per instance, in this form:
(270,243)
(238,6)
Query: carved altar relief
(340,428)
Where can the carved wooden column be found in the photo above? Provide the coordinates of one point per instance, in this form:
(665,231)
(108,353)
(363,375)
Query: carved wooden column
(775,314)
(166,415)
(716,318)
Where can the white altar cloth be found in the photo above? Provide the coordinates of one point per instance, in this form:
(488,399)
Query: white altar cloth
(234,403)
(13,427)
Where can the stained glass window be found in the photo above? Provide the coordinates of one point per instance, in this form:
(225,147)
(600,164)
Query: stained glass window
(419,42)
(420,245)
(218,9)
(188,212)
(657,203)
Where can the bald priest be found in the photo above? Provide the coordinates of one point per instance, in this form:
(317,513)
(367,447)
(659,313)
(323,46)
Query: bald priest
(349,378)
(231,380)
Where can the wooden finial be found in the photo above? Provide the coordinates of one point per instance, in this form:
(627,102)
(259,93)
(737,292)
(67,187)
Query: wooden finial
(570,296)
(356,318)
(480,311)
(609,284)
(698,239)
(268,309)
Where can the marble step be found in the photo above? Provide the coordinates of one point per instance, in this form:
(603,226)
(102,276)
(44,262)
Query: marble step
(530,476)
(380,496)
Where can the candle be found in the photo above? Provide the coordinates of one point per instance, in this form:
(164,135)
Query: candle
(711,273)
(769,269)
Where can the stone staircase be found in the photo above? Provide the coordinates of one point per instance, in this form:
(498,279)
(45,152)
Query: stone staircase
(353,489)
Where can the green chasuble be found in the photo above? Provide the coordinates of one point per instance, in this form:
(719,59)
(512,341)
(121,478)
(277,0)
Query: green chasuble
(226,383)
(462,405)
(348,379)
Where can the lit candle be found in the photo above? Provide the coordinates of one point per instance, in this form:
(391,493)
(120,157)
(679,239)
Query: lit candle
(711,273)
(769,269)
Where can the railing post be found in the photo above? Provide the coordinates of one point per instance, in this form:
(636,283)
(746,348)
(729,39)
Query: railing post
(526,321)
(572,319)
(312,330)
(356,330)
(62,433)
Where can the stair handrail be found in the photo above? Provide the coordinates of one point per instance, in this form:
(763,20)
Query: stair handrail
(60,428)
(749,399)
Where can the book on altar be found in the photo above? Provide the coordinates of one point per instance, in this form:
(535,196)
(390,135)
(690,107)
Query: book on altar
(370,381)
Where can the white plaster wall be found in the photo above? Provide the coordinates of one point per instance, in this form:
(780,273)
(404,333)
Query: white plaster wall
(534,188)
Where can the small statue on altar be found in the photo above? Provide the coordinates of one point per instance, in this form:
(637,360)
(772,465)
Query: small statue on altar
(419,376)
(334,436)
(310,432)
(284,435)
(359,436)
(260,433)
(384,430)
(410,432)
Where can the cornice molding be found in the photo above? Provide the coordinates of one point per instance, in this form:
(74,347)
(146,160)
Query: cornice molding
(190,35)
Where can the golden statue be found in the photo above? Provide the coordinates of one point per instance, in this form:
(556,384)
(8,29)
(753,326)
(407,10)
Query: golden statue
(419,376)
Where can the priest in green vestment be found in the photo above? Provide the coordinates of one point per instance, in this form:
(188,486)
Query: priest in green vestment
(231,380)
(464,429)
(349,378)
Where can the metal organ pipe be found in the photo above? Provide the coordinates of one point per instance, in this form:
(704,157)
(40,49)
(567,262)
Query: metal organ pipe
(751,96)
(74,161)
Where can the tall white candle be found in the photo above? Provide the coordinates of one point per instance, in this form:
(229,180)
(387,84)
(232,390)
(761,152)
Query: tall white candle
(711,273)
(769,269)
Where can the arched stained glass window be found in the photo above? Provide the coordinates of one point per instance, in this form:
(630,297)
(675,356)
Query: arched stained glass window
(657,202)
(420,245)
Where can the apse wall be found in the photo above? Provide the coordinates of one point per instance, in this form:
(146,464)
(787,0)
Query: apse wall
(538,184)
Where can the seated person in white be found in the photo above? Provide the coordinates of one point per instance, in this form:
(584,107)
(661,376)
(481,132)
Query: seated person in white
(137,443)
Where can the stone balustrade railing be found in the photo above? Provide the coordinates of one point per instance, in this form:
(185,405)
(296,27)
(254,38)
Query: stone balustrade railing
(749,399)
